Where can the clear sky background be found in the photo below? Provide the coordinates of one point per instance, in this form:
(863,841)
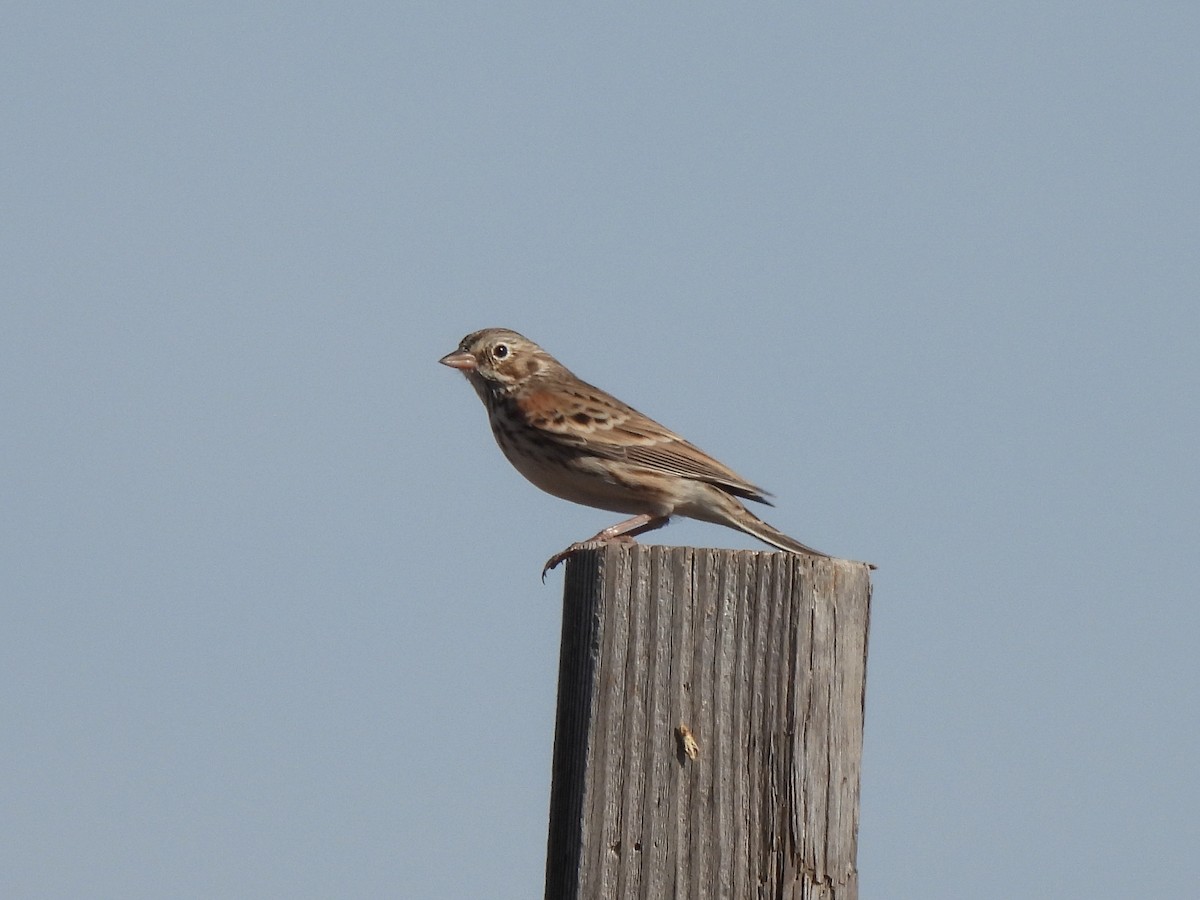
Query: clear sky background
(271,617)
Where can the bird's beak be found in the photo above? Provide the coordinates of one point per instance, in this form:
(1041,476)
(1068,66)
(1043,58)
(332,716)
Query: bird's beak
(461,360)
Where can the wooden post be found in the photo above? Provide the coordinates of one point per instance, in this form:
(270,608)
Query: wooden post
(709,730)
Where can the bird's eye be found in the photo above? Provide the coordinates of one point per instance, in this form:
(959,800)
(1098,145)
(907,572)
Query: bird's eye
(501,351)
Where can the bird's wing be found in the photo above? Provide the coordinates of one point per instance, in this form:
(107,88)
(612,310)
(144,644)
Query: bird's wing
(586,418)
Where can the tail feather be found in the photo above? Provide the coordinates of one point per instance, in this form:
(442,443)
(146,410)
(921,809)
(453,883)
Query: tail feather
(776,538)
(744,520)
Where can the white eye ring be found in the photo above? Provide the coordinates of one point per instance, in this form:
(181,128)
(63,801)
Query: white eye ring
(500,351)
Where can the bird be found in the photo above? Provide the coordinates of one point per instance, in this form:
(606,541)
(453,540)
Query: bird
(579,443)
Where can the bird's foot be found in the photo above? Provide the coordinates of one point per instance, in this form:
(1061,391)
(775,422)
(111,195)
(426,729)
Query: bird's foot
(621,533)
(557,558)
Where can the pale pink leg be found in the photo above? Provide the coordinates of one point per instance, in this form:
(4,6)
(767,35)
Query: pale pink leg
(624,532)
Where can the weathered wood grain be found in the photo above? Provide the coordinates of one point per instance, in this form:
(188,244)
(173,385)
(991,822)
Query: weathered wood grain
(759,658)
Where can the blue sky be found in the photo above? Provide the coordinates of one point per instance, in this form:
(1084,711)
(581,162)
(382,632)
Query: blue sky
(272,621)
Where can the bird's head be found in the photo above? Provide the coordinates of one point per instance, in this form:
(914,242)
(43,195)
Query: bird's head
(497,359)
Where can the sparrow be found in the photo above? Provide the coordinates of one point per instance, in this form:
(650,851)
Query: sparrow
(577,442)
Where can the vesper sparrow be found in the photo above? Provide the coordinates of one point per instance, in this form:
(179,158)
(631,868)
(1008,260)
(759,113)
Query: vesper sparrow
(577,442)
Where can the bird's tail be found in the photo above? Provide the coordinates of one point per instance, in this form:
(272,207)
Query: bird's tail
(737,516)
(753,525)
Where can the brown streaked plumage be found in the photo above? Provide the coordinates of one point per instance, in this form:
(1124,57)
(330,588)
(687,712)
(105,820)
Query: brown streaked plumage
(579,443)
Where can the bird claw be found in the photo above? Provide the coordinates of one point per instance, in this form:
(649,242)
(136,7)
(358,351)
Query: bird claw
(552,563)
(557,558)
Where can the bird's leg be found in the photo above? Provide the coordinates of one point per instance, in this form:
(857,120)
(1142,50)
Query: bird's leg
(622,532)
(629,529)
